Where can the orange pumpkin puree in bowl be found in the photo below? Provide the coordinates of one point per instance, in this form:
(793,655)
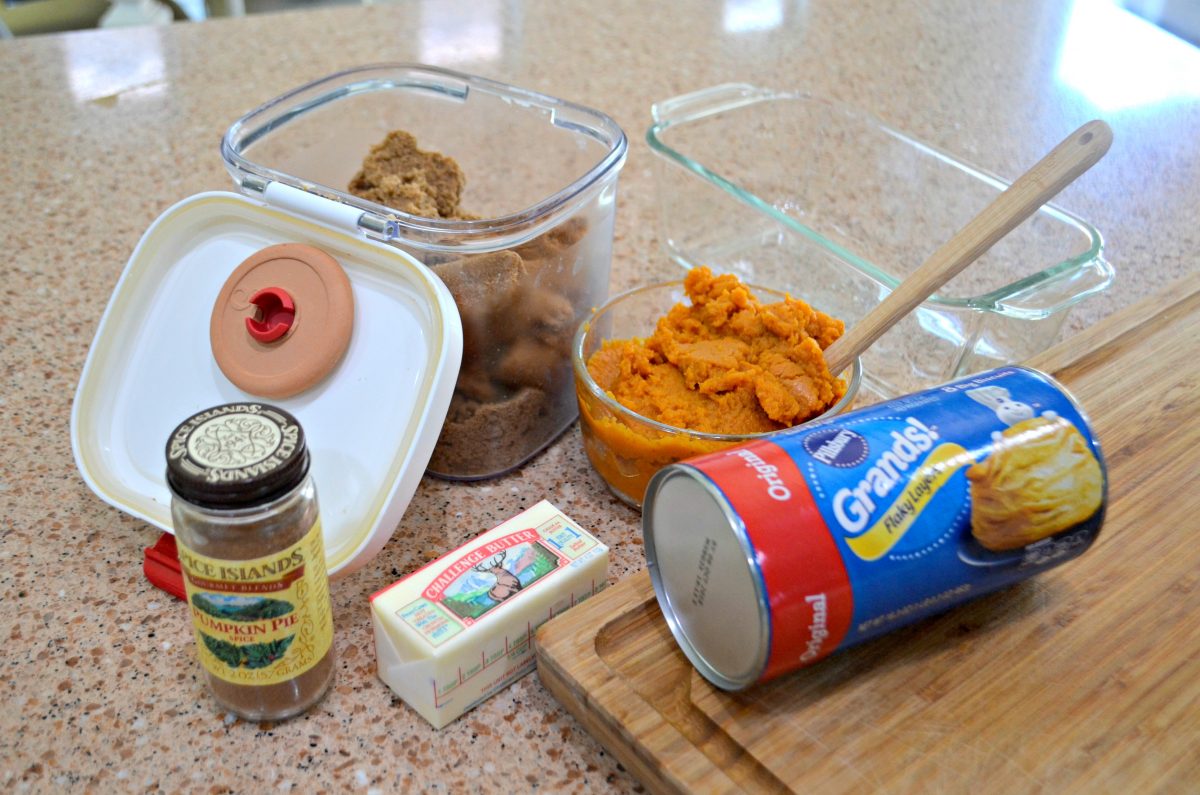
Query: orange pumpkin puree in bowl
(723,363)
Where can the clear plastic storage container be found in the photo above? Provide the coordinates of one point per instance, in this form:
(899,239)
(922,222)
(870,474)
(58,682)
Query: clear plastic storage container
(815,198)
(524,269)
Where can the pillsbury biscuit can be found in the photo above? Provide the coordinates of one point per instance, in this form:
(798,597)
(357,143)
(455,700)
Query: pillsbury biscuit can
(771,555)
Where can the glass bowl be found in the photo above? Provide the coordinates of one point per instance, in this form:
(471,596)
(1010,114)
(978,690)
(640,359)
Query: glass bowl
(624,447)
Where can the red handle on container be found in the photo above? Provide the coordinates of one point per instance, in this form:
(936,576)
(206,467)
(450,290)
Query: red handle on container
(161,566)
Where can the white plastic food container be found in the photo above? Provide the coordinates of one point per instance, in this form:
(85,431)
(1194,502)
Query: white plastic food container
(371,423)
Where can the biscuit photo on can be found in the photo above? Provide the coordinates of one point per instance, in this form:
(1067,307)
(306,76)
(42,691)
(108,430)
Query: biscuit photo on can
(1040,479)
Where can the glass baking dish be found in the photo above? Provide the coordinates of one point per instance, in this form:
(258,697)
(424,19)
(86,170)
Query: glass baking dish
(528,264)
(815,198)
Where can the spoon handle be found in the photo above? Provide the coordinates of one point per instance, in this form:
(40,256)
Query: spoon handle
(1076,154)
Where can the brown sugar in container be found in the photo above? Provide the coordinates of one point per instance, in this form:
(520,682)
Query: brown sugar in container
(248,532)
(528,211)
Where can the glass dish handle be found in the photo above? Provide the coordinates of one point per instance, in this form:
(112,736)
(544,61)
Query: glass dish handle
(706,102)
(1061,291)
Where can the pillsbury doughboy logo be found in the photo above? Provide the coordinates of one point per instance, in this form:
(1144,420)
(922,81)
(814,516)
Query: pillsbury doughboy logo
(837,447)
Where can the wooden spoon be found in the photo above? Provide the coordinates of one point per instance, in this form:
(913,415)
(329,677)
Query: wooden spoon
(1077,153)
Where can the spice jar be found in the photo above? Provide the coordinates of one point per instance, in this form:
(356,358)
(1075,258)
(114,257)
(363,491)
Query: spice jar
(248,532)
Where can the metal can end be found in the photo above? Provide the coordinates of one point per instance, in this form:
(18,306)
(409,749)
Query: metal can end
(706,577)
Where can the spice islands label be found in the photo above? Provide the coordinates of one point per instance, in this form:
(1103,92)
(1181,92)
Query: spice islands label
(261,621)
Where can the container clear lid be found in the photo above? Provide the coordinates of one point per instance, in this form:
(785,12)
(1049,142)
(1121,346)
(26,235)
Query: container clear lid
(371,423)
(530,158)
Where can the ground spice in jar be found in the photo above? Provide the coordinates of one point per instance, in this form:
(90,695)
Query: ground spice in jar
(248,532)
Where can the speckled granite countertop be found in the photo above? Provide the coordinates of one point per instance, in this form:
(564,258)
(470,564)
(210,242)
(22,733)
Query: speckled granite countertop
(103,130)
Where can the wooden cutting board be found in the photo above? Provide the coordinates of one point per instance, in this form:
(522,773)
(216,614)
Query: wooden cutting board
(1083,679)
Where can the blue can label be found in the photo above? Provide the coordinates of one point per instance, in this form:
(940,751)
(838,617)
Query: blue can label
(929,500)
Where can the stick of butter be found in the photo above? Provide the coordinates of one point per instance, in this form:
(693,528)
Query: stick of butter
(453,633)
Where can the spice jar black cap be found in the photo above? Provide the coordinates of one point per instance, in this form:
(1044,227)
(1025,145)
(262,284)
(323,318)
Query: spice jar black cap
(236,455)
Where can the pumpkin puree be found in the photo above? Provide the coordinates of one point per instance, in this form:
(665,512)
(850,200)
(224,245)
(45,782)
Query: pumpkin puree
(726,363)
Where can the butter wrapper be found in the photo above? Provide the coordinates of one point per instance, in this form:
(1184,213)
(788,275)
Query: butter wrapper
(458,630)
